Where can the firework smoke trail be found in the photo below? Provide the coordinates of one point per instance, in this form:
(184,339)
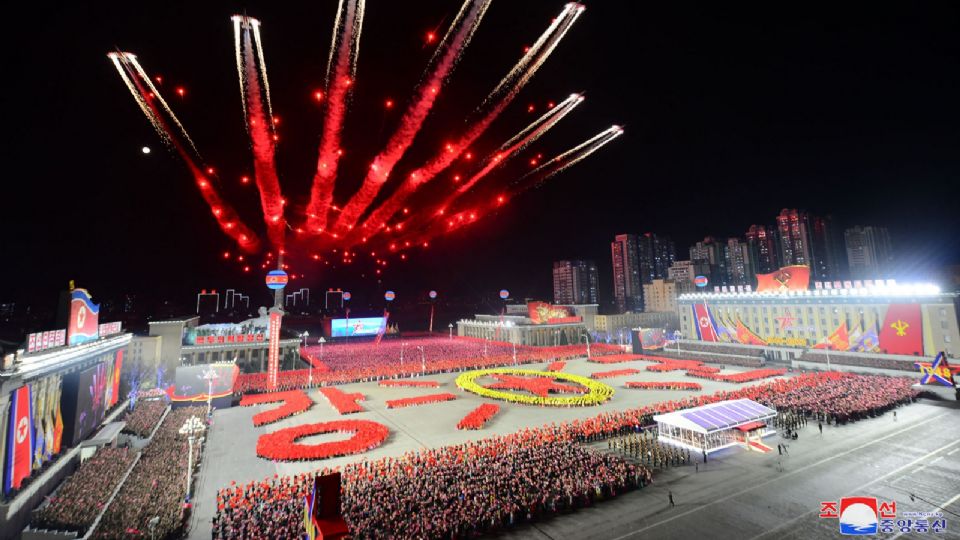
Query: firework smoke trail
(506,151)
(263,68)
(153,90)
(136,81)
(238,52)
(339,81)
(501,97)
(261,129)
(453,43)
(539,175)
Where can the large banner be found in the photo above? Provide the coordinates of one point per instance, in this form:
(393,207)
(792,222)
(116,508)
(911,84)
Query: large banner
(543,312)
(704,323)
(115,380)
(273,349)
(902,330)
(84,401)
(367,326)
(838,340)
(20,439)
(652,339)
(788,278)
(939,372)
(84,318)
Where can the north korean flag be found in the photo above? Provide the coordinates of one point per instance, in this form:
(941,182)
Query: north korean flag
(703,323)
(19,440)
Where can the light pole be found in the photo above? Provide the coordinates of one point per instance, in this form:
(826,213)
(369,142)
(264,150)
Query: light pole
(191,428)
(321,341)
(514,353)
(402,345)
(586,336)
(826,342)
(676,337)
(423,361)
(450,326)
(209,375)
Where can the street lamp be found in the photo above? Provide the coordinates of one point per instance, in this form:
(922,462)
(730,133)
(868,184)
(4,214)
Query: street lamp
(450,326)
(209,375)
(402,345)
(586,336)
(191,428)
(826,342)
(423,361)
(514,353)
(676,337)
(321,341)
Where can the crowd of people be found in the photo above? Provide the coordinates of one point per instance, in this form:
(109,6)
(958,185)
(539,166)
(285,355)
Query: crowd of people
(414,495)
(664,385)
(144,417)
(645,447)
(291,402)
(156,487)
(283,445)
(355,362)
(545,386)
(76,504)
(452,492)
(736,358)
(476,418)
(876,362)
(742,377)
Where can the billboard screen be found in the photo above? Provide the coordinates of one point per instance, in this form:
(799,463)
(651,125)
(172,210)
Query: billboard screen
(369,326)
(85,401)
(543,312)
(191,384)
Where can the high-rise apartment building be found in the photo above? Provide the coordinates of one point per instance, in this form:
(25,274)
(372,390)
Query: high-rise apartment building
(763,249)
(660,295)
(627,285)
(656,253)
(869,253)
(740,265)
(575,282)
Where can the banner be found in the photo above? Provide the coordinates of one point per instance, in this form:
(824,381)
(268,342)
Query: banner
(839,340)
(84,316)
(273,354)
(191,383)
(746,336)
(902,330)
(788,278)
(705,328)
(117,366)
(20,439)
(543,312)
(652,339)
(939,372)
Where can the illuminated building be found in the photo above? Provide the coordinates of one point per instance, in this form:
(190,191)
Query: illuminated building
(868,251)
(575,282)
(655,255)
(517,326)
(660,295)
(627,285)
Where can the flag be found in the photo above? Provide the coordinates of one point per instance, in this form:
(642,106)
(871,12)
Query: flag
(746,336)
(84,316)
(19,439)
(902,330)
(939,372)
(839,340)
(704,324)
(57,431)
(866,343)
(787,278)
(855,335)
(309,517)
(117,366)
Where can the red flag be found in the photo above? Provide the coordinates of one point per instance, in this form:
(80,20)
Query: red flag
(902,330)
(117,366)
(745,336)
(19,439)
(839,340)
(704,324)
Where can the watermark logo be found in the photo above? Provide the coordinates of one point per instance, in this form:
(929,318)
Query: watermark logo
(860,516)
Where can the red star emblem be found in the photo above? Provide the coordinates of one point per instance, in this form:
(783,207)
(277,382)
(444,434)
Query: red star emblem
(540,386)
(786,321)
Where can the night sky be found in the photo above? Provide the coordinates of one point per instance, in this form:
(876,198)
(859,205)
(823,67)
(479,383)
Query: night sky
(731,114)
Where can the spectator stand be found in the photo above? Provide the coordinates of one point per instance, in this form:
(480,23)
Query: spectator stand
(869,363)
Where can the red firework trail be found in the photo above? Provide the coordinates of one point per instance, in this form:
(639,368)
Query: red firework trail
(340,75)
(501,97)
(261,129)
(534,178)
(457,37)
(133,75)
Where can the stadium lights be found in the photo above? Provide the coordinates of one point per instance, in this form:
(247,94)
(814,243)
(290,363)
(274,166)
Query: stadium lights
(895,290)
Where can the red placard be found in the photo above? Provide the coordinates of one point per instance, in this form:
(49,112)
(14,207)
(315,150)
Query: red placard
(273,356)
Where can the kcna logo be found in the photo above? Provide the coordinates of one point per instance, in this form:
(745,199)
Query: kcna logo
(863,516)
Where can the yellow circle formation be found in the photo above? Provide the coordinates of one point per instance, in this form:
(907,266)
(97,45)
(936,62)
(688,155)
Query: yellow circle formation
(598,392)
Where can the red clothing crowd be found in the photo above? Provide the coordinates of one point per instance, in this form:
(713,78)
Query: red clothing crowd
(145,416)
(353,362)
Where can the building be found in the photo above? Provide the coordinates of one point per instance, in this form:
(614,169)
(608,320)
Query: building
(682,274)
(792,238)
(763,249)
(660,295)
(516,326)
(627,285)
(614,325)
(185,342)
(655,254)
(883,319)
(144,352)
(575,282)
(739,263)
(869,253)
(805,239)
(711,254)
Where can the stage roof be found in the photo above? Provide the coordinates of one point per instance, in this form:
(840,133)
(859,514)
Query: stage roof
(717,416)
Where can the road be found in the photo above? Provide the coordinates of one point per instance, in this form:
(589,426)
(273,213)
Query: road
(745,495)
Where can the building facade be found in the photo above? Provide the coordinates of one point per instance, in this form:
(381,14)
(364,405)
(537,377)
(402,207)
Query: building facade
(627,284)
(763,249)
(904,320)
(575,282)
(656,253)
(660,295)
(869,253)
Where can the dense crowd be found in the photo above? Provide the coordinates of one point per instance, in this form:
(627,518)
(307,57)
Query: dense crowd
(645,447)
(733,359)
(76,503)
(353,362)
(742,377)
(453,492)
(292,402)
(144,417)
(876,362)
(664,385)
(536,470)
(156,486)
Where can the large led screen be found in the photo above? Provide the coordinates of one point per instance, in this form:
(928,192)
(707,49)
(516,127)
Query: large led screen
(369,326)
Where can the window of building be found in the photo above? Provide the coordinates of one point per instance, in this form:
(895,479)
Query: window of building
(946,339)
